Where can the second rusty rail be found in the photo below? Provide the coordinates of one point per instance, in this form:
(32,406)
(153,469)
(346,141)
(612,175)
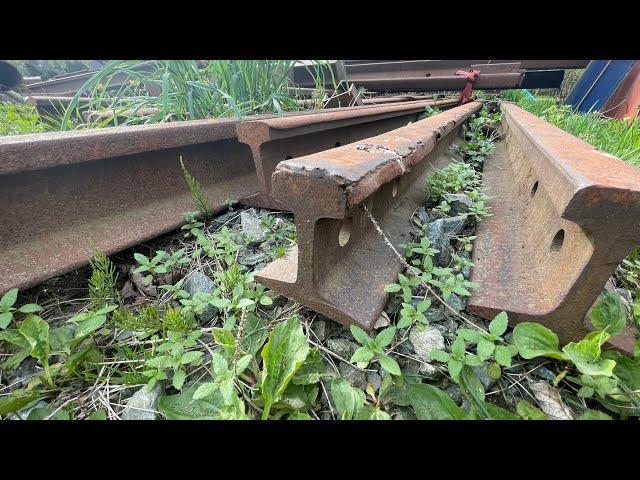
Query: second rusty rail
(341,265)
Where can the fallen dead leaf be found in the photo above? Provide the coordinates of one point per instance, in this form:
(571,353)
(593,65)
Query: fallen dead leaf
(550,401)
(138,280)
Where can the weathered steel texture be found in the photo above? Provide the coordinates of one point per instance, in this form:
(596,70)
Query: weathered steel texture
(445,82)
(564,216)
(382,99)
(625,102)
(276,139)
(54,104)
(70,84)
(65,195)
(304,73)
(343,97)
(430,75)
(447,67)
(341,264)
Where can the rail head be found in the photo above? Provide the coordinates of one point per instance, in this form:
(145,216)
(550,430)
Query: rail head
(256,132)
(589,184)
(20,153)
(565,214)
(360,168)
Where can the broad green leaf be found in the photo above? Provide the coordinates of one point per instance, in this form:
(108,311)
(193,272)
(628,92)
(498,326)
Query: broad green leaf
(527,411)
(454,366)
(534,340)
(47,413)
(471,384)
(472,360)
(36,331)
(205,390)
(283,354)
(311,370)
(191,357)
(346,399)
(59,339)
(494,371)
(299,416)
(371,413)
(179,378)
(389,364)
(266,300)
(90,325)
(593,415)
(473,336)
(362,356)
(242,364)
(9,298)
(502,356)
(14,360)
(499,324)
(431,403)
(16,400)
(627,369)
(498,413)
(183,407)
(586,355)
(255,334)
(5,319)
(458,347)
(423,306)
(609,314)
(14,337)
(440,355)
(220,303)
(360,335)
(141,259)
(298,397)
(485,349)
(223,337)
(219,364)
(30,308)
(392,288)
(385,337)
(586,392)
(97,415)
(244,303)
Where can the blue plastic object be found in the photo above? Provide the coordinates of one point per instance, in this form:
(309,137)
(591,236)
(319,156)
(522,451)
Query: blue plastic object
(599,81)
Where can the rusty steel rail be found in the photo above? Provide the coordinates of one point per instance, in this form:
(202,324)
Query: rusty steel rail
(448,67)
(564,216)
(276,139)
(66,195)
(432,75)
(341,264)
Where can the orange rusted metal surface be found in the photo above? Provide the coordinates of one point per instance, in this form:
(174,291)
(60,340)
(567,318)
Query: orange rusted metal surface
(341,264)
(275,139)
(624,104)
(66,195)
(564,216)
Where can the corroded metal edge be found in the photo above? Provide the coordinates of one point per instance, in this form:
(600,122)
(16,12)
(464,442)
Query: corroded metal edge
(565,215)
(345,280)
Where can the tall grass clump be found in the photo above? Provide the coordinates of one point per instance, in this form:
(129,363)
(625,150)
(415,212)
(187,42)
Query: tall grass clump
(169,90)
(616,137)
